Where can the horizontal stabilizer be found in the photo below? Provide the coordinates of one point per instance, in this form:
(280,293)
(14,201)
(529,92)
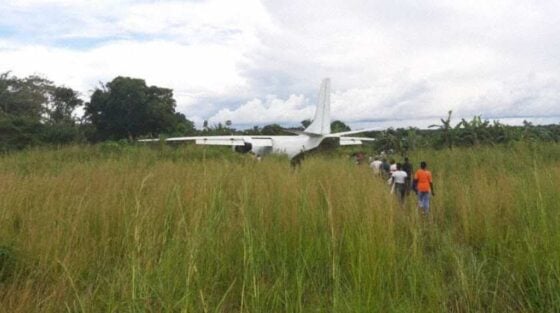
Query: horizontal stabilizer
(352,132)
(347,141)
(300,132)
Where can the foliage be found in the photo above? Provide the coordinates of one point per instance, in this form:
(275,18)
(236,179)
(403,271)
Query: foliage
(127,108)
(447,133)
(273,129)
(339,126)
(474,133)
(33,111)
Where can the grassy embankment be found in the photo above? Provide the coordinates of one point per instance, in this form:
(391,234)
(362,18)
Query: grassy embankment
(84,229)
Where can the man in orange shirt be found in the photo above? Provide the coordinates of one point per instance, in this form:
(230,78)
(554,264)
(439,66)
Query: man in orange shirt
(424,186)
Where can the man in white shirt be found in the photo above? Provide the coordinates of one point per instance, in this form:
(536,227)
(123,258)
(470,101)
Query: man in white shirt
(398,178)
(393,166)
(375,165)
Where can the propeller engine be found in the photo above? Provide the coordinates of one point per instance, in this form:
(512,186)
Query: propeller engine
(244,149)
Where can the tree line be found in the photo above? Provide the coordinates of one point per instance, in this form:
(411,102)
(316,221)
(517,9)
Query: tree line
(34,111)
(465,133)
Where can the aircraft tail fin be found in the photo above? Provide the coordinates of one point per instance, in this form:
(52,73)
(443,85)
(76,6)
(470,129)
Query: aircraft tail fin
(321,124)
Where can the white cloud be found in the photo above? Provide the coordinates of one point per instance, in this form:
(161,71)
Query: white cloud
(387,59)
(417,59)
(271,110)
(192,47)
(188,70)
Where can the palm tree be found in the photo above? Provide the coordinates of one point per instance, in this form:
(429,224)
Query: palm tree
(448,133)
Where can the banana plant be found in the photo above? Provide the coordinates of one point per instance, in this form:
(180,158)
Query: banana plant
(448,133)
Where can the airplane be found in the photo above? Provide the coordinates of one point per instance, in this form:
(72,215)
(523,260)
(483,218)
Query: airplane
(292,146)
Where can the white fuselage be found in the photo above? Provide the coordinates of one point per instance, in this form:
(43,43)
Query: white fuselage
(289,145)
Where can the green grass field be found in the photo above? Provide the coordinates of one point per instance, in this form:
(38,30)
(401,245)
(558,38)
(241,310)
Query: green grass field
(139,229)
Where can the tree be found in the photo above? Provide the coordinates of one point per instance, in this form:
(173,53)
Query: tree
(448,135)
(33,111)
(182,126)
(388,140)
(219,129)
(272,129)
(62,105)
(23,98)
(256,130)
(305,123)
(128,108)
(474,132)
(339,126)
(411,138)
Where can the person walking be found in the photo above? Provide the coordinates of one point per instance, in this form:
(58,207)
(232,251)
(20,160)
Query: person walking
(398,179)
(375,165)
(385,169)
(392,166)
(424,187)
(407,167)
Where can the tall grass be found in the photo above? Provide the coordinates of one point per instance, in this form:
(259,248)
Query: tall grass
(138,229)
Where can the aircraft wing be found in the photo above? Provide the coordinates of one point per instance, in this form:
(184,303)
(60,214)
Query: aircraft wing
(258,141)
(347,141)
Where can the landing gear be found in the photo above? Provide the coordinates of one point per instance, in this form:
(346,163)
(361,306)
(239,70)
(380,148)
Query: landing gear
(296,161)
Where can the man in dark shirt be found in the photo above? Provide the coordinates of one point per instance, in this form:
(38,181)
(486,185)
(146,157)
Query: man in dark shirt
(407,167)
(385,169)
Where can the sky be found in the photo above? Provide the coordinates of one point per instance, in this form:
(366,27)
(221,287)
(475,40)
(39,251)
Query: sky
(392,63)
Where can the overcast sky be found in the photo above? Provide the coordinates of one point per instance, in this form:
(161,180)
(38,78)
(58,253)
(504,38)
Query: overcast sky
(391,62)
